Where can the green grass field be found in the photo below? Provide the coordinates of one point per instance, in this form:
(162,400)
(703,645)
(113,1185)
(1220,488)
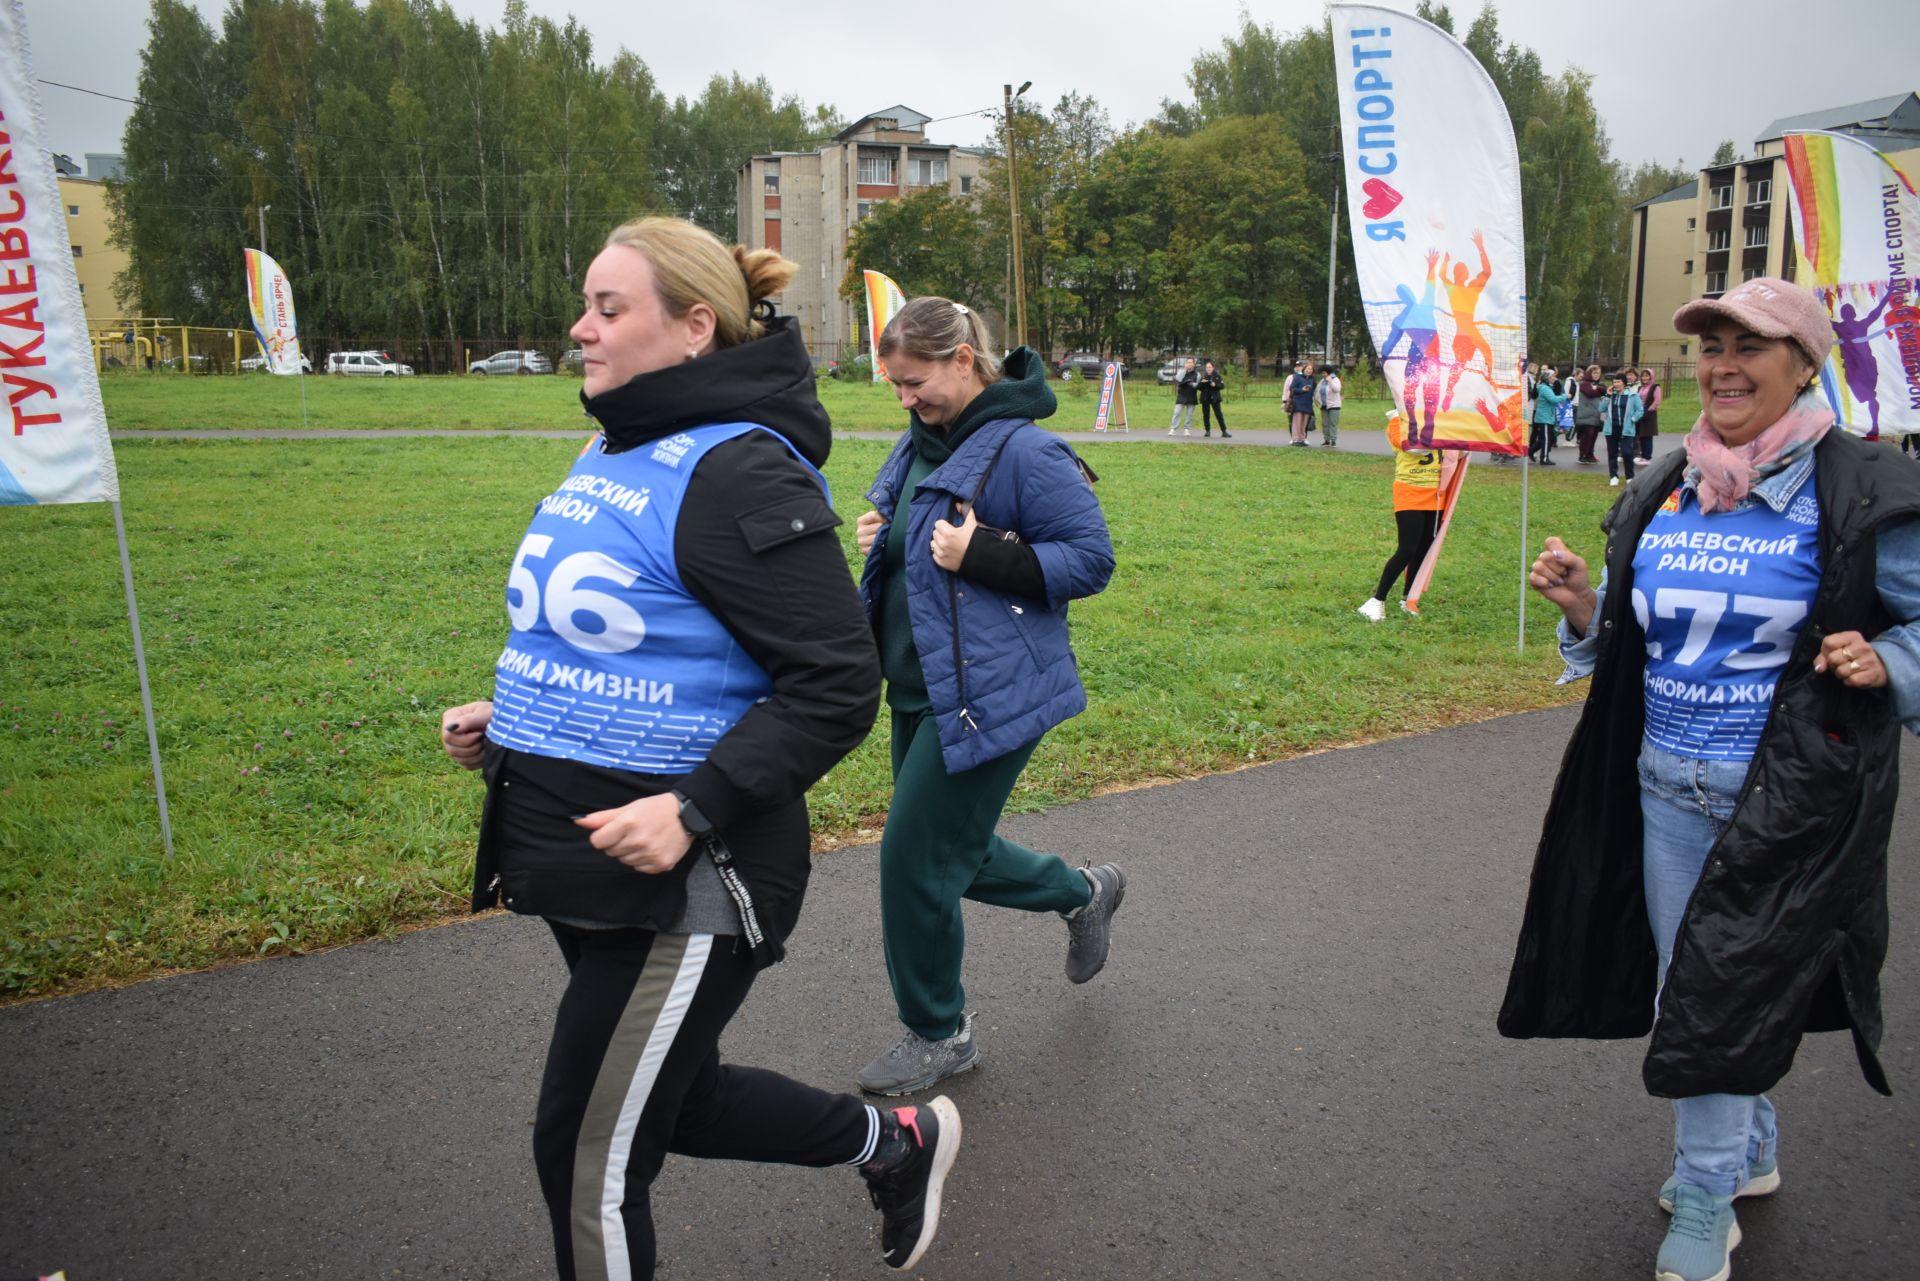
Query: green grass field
(173,402)
(310,606)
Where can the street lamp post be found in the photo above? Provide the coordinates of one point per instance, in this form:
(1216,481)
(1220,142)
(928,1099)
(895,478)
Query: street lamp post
(262,211)
(1017,322)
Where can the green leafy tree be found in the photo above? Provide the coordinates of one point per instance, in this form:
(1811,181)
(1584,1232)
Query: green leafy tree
(707,140)
(1256,259)
(177,213)
(930,243)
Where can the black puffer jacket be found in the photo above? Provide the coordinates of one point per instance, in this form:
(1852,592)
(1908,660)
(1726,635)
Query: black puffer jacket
(786,597)
(1788,927)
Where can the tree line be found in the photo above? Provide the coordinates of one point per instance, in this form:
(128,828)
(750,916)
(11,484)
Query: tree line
(423,175)
(1208,226)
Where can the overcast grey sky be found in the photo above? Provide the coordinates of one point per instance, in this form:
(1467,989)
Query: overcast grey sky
(1671,77)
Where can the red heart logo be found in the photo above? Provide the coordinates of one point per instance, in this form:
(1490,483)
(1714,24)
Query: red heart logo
(1381,199)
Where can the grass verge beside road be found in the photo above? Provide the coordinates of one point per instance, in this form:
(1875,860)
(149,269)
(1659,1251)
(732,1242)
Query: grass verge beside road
(309,607)
(139,401)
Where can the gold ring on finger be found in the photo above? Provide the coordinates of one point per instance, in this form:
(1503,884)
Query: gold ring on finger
(1855,664)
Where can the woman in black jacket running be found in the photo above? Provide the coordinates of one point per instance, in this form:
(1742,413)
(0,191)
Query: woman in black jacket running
(687,657)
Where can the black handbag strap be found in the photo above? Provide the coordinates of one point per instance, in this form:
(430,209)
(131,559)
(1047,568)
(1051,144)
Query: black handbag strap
(1086,473)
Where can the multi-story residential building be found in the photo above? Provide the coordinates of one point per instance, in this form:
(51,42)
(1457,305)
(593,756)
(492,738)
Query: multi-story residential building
(806,203)
(88,229)
(1731,223)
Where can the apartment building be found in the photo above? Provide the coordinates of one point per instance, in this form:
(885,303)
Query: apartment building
(1731,222)
(805,204)
(88,228)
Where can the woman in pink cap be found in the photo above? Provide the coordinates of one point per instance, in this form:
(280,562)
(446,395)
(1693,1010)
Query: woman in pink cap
(1713,863)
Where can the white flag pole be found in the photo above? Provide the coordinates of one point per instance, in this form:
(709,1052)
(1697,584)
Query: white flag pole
(1525,469)
(146,691)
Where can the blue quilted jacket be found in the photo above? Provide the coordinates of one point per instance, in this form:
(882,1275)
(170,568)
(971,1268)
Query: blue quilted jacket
(1000,670)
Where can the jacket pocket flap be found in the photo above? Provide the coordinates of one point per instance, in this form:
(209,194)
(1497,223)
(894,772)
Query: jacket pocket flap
(768,527)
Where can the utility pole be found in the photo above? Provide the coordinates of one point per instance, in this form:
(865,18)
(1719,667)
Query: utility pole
(1333,252)
(262,211)
(1017,322)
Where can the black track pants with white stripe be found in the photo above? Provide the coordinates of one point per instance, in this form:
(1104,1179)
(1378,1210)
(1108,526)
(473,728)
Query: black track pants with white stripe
(634,1073)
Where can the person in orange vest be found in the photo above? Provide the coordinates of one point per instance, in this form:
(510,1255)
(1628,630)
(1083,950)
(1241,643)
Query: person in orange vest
(1416,516)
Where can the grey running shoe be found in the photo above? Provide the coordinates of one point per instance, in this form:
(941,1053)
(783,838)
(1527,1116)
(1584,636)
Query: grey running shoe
(1090,930)
(916,1062)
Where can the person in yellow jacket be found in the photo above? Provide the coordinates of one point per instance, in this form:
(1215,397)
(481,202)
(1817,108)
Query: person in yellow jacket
(1417,473)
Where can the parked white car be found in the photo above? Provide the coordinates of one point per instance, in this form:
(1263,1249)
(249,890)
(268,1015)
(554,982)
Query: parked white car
(512,362)
(258,364)
(367,364)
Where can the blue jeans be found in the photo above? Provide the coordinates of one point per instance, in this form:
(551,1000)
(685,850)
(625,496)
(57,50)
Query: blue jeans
(1686,805)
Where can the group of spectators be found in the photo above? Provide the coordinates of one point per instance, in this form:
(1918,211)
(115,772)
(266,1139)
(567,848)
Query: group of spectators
(1302,394)
(1584,406)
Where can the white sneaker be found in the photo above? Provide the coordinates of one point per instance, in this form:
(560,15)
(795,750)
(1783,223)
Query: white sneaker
(1172,432)
(1373,610)
(1613,483)
(1188,432)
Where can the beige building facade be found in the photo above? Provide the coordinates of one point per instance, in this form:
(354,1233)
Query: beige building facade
(806,204)
(1731,222)
(84,201)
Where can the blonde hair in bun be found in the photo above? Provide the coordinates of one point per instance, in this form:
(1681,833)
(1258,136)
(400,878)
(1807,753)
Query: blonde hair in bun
(691,265)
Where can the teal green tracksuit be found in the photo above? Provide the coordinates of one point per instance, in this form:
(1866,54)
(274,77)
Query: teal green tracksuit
(940,846)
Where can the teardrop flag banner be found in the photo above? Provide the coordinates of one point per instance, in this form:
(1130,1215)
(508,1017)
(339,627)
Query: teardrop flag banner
(53,437)
(270,299)
(884,300)
(1855,215)
(1433,200)
(55,449)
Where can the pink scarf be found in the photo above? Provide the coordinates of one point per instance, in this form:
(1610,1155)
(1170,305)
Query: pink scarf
(1722,475)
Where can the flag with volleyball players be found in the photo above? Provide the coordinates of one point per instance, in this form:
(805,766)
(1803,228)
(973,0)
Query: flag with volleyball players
(1433,199)
(1855,219)
(53,434)
(270,298)
(884,301)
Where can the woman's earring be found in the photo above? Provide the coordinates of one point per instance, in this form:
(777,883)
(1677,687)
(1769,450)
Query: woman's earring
(691,353)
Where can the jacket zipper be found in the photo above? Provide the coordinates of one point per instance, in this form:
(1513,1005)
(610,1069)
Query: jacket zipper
(959,670)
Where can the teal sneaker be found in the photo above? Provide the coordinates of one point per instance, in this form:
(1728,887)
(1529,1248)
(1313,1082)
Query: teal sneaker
(1701,1238)
(1763,1179)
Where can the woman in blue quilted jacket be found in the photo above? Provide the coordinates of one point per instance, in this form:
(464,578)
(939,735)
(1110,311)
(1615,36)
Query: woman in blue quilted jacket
(984,527)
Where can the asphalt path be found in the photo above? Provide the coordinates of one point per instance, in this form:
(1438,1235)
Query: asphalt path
(1288,1069)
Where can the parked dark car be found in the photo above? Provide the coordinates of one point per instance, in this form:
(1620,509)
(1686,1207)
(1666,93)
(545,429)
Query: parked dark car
(1085,364)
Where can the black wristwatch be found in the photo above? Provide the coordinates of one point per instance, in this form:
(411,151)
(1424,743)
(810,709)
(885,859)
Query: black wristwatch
(691,818)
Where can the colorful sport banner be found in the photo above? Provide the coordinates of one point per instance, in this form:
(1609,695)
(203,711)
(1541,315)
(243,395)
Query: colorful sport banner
(53,437)
(884,300)
(1433,199)
(1855,217)
(270,298)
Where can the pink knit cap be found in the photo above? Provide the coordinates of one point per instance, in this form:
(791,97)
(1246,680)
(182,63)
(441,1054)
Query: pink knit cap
(1770,307)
